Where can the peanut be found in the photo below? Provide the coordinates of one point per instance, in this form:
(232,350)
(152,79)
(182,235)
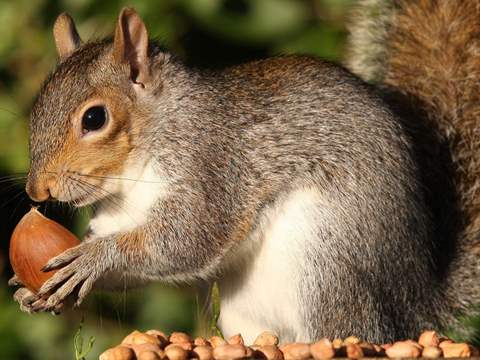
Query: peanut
(322,349)
(432,352)
(351,340)
(456,350)
(354,351)
(230,352)
(236,340)
(268,352)
(148,355)
(176,353)
(429,338)
(138,348)
(296,351)
(217,341)
(188,346)
(203,352)
(160,335)
(136,338)
(445,342)
(179,337)
(118,353)
(200,341)
(403,349)
(266,338)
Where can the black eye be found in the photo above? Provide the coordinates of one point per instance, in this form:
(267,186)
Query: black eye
(94,118)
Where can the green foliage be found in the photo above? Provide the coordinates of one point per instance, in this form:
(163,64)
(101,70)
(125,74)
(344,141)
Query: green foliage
(215,301)
(80,353)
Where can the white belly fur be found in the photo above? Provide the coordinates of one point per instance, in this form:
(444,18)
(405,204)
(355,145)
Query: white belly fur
(265,296)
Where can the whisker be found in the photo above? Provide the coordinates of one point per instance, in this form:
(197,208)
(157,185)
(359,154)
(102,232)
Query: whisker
(22,198)
(110,198)
(11,179)
(115,178)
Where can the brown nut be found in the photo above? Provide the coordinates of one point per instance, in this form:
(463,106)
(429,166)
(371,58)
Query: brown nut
(337,343)
(179,337)
(148,355)
(445,342)
(118,353)
(268,352)
(354,351)
(138,348)
(230,352)
(296,351)
(188,346)
(201,341)
(266,338)
(414,343)
(322,349)
(351,340)
(217,341)
(176,352)
(35,240)
(456,350)
(160,335)
(429,338)
(136,338)
(236,340)
(403,349)
(432,352)
(203,352)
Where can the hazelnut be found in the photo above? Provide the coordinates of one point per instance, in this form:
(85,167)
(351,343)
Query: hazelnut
(35,240)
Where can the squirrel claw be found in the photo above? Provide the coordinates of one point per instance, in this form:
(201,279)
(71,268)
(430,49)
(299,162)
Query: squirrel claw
(14,281)
(26,299)
(64,258)
(79,271)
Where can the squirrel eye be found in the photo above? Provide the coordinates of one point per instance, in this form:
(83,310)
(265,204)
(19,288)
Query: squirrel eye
(93,119)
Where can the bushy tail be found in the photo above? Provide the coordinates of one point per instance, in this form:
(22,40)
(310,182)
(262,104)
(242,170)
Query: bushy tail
(429,50)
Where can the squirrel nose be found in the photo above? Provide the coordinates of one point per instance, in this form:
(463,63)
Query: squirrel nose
(38,189)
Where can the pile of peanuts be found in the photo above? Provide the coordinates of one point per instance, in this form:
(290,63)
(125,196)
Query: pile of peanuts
(156,345)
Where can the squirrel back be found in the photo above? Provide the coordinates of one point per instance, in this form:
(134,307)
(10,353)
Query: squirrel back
(428,51)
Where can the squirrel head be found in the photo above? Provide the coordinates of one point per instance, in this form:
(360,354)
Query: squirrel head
(83,122)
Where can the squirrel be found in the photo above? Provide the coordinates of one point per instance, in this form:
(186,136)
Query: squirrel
(322,205)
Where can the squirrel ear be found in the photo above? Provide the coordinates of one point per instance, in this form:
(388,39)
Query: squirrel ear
(130,45)
(66,35)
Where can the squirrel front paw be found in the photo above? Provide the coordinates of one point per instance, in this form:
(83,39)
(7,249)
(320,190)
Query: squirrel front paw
(27,300)
(79,268)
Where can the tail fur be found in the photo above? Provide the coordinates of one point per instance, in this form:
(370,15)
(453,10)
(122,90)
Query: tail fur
(429,50)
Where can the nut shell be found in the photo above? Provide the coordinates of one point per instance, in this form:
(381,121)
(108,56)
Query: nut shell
(34,241)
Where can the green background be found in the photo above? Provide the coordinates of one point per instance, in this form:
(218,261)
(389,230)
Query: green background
(205,33)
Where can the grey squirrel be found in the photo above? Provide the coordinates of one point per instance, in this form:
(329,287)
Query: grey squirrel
(322,205)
